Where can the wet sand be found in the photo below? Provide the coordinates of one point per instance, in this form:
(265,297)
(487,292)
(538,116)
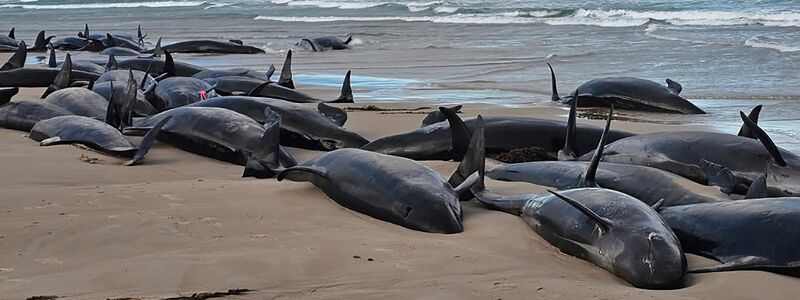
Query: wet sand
(181,224)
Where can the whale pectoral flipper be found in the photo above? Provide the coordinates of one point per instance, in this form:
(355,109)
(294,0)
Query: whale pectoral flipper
(302,173)
(568,152)
(147,142)
(349,39)
(53,141)
(465,186)
(604,222)
(335,114)
(674,85)
(264,161)
(765,140)
(722,177)
(740,263)
(753,116)
(691,172)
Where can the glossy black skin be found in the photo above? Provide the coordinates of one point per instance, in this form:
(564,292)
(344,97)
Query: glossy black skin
(80,101)
(157,66)
(682,152)
(301,126)
(323,43)
(120,51)
(208,131)
(230,85)
(273,90)
(639,246)
(70,43)
(22,115)
(143,107)
(209,46)
(86,66)
(88,131)
(40,77)
(179,91)
(121,75)
(650,185)
(434,142)
(755,234)
(632,94)
(7,41)
(237,72)
(389,188)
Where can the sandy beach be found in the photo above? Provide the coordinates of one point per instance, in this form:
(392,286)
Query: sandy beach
(78,225)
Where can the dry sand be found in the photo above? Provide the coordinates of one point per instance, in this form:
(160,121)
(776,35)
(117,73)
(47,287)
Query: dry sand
(182,224)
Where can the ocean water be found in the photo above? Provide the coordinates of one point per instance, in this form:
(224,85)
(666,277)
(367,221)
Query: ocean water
(729,55)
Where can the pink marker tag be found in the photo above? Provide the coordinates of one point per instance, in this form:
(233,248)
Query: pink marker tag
(202,95)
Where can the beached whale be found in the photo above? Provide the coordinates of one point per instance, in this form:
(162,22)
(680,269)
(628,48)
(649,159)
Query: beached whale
(649,185)
(221,134)
(243,80)
(207,46)
(92,133)
(120,51)
(178,91)
(10,44)
(326,42)
(613,230)
(729,161)
(629,93)
(503,134)
(389,188)
(752,234)
(79,101)
(301,126)
(273,90)
(22,115)
(14,73)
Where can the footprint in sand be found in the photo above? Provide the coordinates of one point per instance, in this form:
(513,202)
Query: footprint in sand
(211,221)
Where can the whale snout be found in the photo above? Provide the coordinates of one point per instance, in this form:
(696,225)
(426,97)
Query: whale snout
(656,263)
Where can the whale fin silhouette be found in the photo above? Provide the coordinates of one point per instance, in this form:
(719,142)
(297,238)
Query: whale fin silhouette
(765,140)
(753,116)
(460,135)
(554,96)
(587,179)
(603,222)
(674,86)
(286,72)
(147,142)
(758,189)
(17,60)
(62,79)
(568,152)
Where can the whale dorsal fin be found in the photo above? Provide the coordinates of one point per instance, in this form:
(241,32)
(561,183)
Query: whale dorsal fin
(765,139)
(459,132)
(62,79)
(286,72)
(473,160)
(603,222)
(437,116)
(238,42)
(335,114)
(554,87)
(140,35)
(17,60)
(11,33)
(758,189)
(7,93)
(587,179)
(568,152)
(270,72)
(674,85)
(264,162)
(157,51)
(753,116)
(112,63)
(52,62)
(86,31)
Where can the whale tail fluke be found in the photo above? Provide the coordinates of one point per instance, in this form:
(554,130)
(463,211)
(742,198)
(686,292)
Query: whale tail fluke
(286,72)
(311,44)
(140,35)
(270,72)
(437,116)
(762,136)
(349,39)
(41,42)
(333,113)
